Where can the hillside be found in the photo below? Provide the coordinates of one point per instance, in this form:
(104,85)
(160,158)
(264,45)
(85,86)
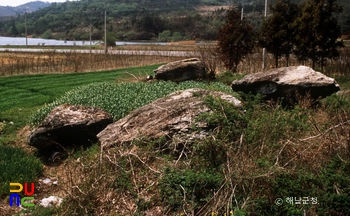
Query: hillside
(162,20)
(133,20)
(29,7)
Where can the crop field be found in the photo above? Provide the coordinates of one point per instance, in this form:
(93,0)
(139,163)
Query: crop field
(48,62)
(23,94)
(52,62)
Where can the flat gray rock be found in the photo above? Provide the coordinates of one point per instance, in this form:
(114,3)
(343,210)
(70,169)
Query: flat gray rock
(171,116)
(178,71)
(69,125)
(288,83)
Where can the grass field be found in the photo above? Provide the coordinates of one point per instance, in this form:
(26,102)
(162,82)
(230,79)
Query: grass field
(23,90)
(21,95)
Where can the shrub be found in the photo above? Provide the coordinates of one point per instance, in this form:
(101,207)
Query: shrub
(111,38)
(47,34)
(329,189)
(177,36)
(188,186)
(164,36)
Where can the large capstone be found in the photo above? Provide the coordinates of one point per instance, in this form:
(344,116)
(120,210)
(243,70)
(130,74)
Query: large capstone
(173,116)
(69,125)
(178,71)
(288,83)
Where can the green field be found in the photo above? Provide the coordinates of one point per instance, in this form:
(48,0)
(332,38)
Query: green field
(22,95)
(34,90)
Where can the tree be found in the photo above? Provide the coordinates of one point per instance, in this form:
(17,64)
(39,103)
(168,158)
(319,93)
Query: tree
(14,31)
(47,34)
(164,36)
(317,31)
(235,39)
(277,33)
(111,39)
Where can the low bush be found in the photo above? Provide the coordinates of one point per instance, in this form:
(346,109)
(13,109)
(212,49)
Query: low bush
(194,188)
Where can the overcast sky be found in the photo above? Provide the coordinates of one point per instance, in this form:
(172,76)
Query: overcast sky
(20,2)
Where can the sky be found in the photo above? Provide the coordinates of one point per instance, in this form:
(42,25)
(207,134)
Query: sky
(20,2)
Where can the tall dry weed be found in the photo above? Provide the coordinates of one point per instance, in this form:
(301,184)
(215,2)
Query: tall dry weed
(73,61)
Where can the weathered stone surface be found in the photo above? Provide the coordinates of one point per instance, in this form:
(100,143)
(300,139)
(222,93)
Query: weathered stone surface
(178,71)
(288,83)
(169,116)
(69,125)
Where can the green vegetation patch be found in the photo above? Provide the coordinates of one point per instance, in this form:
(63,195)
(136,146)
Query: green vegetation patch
(122,98)
(327,190)
(33,90)
(178,187)
(17,166)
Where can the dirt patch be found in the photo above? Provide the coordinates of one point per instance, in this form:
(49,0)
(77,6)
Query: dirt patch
(183,43)
(208,9)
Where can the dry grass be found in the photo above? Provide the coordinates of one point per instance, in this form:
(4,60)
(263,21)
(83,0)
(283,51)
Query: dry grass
(52,62)
(253,63)
(170,46)
(205,10)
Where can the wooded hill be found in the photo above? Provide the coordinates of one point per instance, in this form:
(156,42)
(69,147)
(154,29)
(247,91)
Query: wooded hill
(162,20)
(130,20)
(21,9)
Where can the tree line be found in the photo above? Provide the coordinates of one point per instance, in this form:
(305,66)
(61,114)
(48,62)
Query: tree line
(309,31)
(129,20)
(163,20)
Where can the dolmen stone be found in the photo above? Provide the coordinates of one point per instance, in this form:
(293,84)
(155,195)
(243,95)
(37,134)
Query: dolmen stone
(172,116)
(287,83)
(178,71)
(69,125)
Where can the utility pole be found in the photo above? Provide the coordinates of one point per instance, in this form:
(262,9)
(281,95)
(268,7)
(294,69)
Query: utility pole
(264,50)
(25,26)
(105,32)
(242,11)
(90,38)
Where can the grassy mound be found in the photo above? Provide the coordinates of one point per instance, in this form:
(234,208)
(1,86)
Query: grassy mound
(248,163)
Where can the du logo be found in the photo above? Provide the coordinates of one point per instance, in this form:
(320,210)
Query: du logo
(15,197)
